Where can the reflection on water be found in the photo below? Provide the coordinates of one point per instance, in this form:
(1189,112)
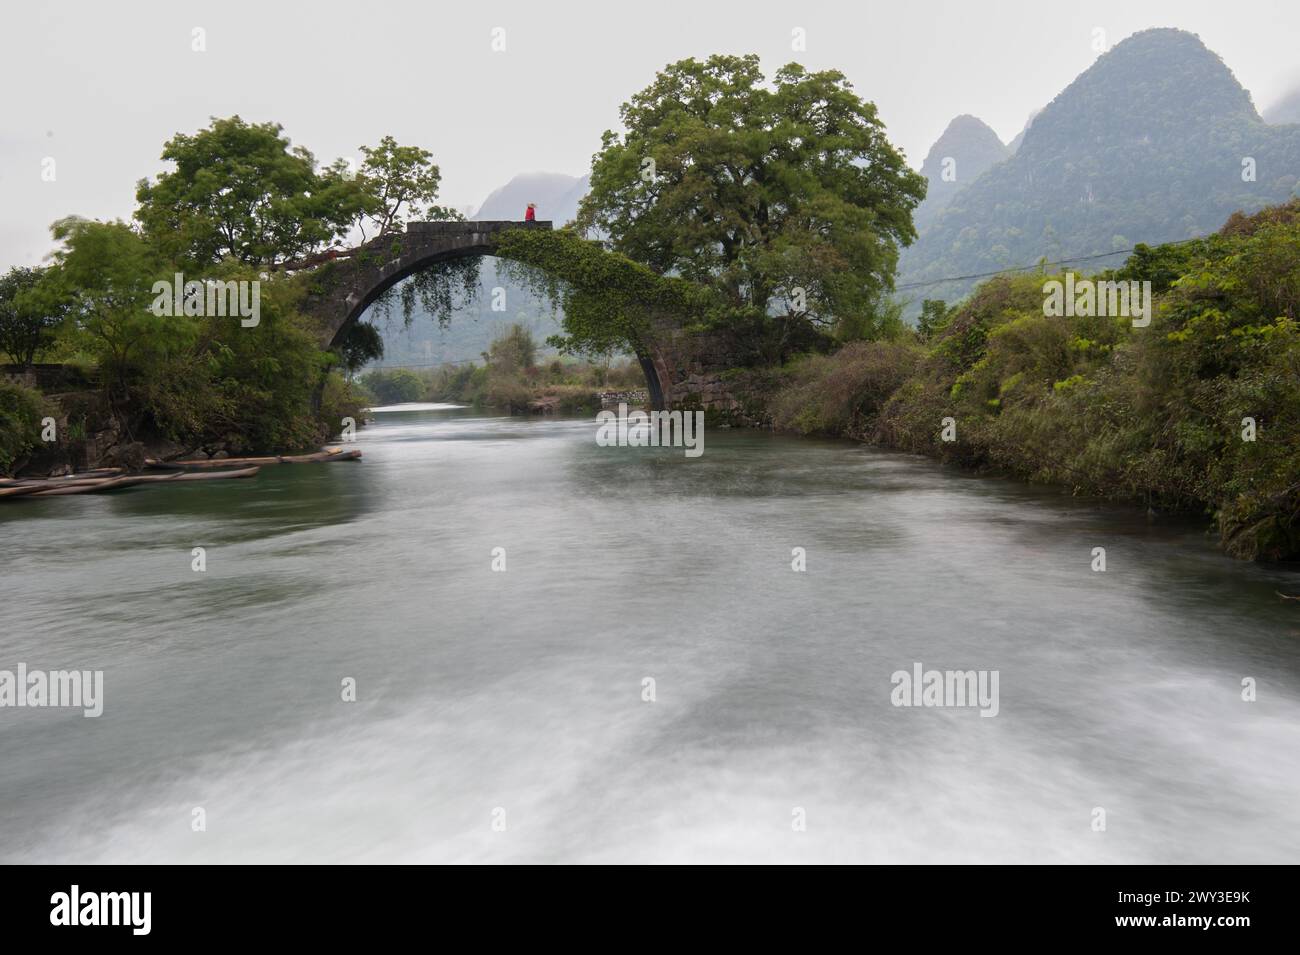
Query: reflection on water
(523,690)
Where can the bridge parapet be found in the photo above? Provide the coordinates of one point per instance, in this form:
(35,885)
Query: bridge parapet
(475,227)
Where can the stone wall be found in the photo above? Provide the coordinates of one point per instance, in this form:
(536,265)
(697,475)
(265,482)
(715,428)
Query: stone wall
(696,372)
(48,378)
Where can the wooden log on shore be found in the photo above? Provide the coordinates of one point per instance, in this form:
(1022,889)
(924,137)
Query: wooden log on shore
(223,462)
(333,454)
(217,475)
(20,490)
(107,484)
(56,488)
(103,479)
(326,454)
(49,484)
(78,478)
(52,482)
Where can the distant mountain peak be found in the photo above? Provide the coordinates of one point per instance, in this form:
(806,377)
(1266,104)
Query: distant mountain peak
(556,194)
(1139,79)
(965,134)
(966,148)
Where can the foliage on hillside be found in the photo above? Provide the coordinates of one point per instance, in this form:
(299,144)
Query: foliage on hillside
(194,380)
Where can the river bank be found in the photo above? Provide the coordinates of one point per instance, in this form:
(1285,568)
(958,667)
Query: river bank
(1196,412)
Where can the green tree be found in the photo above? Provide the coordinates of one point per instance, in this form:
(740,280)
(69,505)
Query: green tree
(786,197)
(21,410)
(606,296)
(29,313)
(195,379)
(513,350)
(106,270)
(241,191)
(361,344)
(398,181)
(934,314)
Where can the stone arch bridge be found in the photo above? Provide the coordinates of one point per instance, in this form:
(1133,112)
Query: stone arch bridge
(677,373)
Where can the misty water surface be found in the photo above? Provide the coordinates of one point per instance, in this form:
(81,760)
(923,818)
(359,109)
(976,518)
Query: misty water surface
(522,690)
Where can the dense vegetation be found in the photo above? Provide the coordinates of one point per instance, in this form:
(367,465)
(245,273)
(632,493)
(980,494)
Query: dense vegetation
(21,411)
(239,202)
(510,378)
(1155,414)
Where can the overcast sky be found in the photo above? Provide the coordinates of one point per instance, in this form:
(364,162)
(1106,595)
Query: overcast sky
(101,86)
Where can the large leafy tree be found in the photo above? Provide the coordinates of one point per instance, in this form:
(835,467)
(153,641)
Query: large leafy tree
(787,197)
(399,181)
(30,310)
(190,378)
(242,191)
(106,270)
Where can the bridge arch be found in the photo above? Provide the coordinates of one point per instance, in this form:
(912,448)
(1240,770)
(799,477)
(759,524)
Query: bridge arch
(345,287)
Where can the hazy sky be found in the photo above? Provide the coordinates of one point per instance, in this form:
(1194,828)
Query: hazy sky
(100,86)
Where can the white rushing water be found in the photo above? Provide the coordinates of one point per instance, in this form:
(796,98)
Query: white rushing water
(516,696)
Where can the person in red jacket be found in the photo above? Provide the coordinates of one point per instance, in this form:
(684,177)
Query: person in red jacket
(531,214)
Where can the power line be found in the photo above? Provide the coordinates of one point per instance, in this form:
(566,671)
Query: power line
(1036,265)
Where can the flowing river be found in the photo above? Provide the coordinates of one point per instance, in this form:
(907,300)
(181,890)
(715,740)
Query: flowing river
(502,715)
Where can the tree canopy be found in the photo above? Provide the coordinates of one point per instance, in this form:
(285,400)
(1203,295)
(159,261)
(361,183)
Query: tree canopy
(398,181)
(241,191)
(787,197)
(30,311)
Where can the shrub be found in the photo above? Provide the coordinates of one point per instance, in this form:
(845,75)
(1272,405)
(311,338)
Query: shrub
(1156,414)
(839,393)
(21,411)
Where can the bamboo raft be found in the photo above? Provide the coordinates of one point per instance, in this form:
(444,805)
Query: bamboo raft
(318,457)
(207,469)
